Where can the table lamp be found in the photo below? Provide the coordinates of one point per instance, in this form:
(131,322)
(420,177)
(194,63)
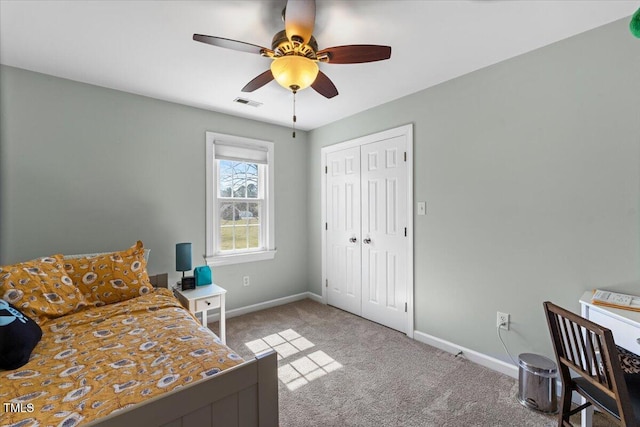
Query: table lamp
(183,258)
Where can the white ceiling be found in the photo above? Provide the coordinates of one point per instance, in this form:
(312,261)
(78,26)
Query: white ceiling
(146,47)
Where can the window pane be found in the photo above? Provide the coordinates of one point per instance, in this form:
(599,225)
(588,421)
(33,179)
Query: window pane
(252,180)
(227,214)
(240,231)
(240,226)
(225,180)
(253,225)
(238,179)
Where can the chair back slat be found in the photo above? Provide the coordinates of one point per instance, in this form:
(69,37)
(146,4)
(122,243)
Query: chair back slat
(566,339)
(593,362)
(583,357)
(588,350)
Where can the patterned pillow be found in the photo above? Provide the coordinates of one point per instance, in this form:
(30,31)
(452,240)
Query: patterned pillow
(112,277)
(40,288)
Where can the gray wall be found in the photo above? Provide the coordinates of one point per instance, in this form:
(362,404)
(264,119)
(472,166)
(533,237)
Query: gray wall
(530,170)
(84,169)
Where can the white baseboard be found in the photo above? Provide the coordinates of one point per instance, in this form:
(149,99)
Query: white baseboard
(482,359)
(264,305)
(315,297)
(472,355)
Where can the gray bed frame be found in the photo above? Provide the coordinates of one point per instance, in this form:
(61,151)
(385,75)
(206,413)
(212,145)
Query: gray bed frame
(245,395)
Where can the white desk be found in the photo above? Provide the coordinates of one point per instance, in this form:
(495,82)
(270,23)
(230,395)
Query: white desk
(624,324)
(204,298)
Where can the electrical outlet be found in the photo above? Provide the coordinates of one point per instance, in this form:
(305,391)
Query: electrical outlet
(503,321)
(245,280)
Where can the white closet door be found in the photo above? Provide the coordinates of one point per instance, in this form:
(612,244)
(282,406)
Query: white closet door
(384,222)
(343,230)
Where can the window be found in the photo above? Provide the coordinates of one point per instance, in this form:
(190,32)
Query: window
(240,222)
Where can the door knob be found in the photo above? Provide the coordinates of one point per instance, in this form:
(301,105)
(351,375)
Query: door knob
(367,240)
(353,240)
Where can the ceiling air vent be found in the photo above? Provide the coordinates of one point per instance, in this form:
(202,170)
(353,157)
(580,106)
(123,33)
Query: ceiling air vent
(247,102)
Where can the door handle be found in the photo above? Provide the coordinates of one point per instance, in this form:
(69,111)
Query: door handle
(353,240)
(367,240)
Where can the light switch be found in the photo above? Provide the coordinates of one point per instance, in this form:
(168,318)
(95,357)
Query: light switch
(422,208)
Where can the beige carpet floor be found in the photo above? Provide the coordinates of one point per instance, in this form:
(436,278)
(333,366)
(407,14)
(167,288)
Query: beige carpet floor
(337,369)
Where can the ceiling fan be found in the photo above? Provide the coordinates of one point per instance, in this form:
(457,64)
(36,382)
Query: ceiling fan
(295,53)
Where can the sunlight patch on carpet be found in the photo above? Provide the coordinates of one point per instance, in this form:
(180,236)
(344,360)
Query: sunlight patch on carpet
(304,369)
(285,343)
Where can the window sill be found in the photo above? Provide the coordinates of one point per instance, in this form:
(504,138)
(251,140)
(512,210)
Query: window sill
(220,260)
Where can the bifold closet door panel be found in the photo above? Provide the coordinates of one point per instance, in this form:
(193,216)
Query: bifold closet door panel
(384,222)
(343,230)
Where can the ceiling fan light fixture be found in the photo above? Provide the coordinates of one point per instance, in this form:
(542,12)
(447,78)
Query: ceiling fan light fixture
(294,72)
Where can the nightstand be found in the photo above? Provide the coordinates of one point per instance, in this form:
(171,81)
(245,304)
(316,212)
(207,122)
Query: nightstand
(204,298)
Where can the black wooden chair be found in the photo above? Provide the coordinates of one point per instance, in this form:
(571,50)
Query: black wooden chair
(588,350)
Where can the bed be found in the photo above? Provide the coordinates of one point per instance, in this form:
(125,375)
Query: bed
(141,360)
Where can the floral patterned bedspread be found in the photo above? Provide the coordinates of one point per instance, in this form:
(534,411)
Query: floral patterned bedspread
(93,362)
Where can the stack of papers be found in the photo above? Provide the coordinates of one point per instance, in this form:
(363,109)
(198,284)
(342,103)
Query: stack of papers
(616,300)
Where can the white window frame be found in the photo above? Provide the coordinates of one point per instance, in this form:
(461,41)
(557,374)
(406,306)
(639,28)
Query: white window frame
(212,256)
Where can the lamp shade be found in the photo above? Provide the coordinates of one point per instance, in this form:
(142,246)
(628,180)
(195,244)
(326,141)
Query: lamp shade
(294,72)
(183,256)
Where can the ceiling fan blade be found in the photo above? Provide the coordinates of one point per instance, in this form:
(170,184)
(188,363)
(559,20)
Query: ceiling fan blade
(355,53)
(258,82)
(324,86)
(230,44)
(299,19)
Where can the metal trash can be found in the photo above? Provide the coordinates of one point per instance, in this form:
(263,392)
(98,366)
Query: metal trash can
(537,383)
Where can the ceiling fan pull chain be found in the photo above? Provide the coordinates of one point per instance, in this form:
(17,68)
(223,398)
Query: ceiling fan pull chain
(294,113)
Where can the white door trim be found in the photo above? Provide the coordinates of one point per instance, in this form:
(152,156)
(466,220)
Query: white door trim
(406,130)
